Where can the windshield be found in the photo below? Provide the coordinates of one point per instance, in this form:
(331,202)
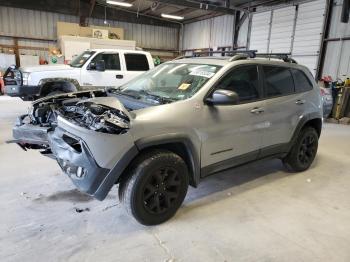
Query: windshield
(169,82)
(81,59)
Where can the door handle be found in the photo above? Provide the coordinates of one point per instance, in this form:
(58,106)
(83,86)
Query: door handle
(300,102)
(257,110)
(119,76)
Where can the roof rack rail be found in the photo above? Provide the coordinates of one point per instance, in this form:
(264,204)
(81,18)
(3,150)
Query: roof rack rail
(250,53)
(243,54)
(282,56)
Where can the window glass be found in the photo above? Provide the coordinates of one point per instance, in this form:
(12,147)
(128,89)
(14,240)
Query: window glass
(111,61)
(278,81)
(170,82)
(81,59)
(244,81)
(136,62)
(302,83)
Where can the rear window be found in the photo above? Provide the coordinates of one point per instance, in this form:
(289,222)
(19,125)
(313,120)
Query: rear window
(278,81)
(301,81)
(136,62)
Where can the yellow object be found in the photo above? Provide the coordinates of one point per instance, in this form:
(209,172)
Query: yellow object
(184,86)
(347,82)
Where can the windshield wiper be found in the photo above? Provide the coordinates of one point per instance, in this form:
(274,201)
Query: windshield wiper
(161,99)
(130,93)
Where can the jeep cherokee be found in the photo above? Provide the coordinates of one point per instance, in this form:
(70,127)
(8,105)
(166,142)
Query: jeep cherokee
(176,124)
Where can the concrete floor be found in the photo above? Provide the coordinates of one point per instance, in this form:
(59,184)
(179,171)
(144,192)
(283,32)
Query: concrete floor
(257,212)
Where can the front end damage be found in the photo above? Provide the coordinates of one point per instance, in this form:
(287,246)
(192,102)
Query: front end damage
(86,132)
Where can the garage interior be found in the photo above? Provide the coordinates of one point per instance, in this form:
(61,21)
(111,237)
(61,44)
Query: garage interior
(255,212)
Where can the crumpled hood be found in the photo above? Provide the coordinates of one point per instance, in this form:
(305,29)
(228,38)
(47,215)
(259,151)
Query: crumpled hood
(111,102)
(41,68)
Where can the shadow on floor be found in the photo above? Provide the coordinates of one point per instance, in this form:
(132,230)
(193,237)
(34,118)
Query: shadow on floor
(235,181)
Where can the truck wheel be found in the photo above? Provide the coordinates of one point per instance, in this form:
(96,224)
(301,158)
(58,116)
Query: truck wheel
(155,187)
(303,151)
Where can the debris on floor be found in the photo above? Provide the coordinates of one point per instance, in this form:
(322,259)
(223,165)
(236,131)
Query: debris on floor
(80,210)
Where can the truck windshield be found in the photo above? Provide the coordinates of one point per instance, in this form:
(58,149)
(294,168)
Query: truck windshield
(170,82)
(81,59)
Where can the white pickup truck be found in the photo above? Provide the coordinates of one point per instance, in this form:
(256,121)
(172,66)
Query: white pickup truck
(90,70)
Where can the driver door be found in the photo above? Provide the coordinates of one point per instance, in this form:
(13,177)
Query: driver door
(111,77)
(232,134)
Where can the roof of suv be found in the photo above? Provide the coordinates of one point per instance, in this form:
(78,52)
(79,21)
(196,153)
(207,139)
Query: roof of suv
(213,60)
(224,60)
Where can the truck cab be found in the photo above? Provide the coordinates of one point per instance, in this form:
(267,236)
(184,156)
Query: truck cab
(90,70)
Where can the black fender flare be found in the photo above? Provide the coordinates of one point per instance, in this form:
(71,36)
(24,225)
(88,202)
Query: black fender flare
(192,154)
(301,124)
(143,144)
(115,173)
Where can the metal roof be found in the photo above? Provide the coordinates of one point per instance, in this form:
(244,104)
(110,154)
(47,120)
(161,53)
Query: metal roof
(142,11)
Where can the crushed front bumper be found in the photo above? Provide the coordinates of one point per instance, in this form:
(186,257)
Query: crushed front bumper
(76,161)
(29,136)
(94,161)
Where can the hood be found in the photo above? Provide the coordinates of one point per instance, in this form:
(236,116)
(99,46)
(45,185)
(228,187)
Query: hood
(41,68)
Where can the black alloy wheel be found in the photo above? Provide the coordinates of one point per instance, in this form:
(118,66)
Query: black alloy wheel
(304,150)
(161,190)
(307,149)
(154,187)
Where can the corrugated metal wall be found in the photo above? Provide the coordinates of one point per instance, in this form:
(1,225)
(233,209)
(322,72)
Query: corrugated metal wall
(282,30)
(291,30)
(209,33)
(308,33)
(38,24)
(337,59)
(259,36)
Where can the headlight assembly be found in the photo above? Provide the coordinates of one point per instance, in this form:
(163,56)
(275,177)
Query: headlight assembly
(25,78)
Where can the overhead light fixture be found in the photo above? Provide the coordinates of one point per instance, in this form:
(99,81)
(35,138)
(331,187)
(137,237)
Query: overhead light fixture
(123,4)
(172,17)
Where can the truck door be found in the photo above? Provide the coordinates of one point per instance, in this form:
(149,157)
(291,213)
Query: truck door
(112,76)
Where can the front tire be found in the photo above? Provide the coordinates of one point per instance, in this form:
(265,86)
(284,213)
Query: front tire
(303,151)
(154,187)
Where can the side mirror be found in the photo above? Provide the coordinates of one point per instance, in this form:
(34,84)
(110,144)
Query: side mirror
(100,65)
(223,97)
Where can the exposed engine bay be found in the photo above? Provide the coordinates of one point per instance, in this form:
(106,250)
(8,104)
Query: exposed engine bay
(101,114)
(93,110)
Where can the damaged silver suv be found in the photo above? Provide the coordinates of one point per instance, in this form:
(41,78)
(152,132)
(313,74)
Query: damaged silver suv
(176,124)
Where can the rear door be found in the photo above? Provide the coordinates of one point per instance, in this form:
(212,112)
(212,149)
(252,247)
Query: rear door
(112,76)
(134,65)
(282,108)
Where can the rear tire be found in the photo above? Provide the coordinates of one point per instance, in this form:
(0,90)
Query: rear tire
(155,187)
(303,151)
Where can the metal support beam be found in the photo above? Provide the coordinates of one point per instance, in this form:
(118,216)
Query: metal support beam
(237,25)
(16,50)
(208,7)
(325,34)
(345,11)
(92,6)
